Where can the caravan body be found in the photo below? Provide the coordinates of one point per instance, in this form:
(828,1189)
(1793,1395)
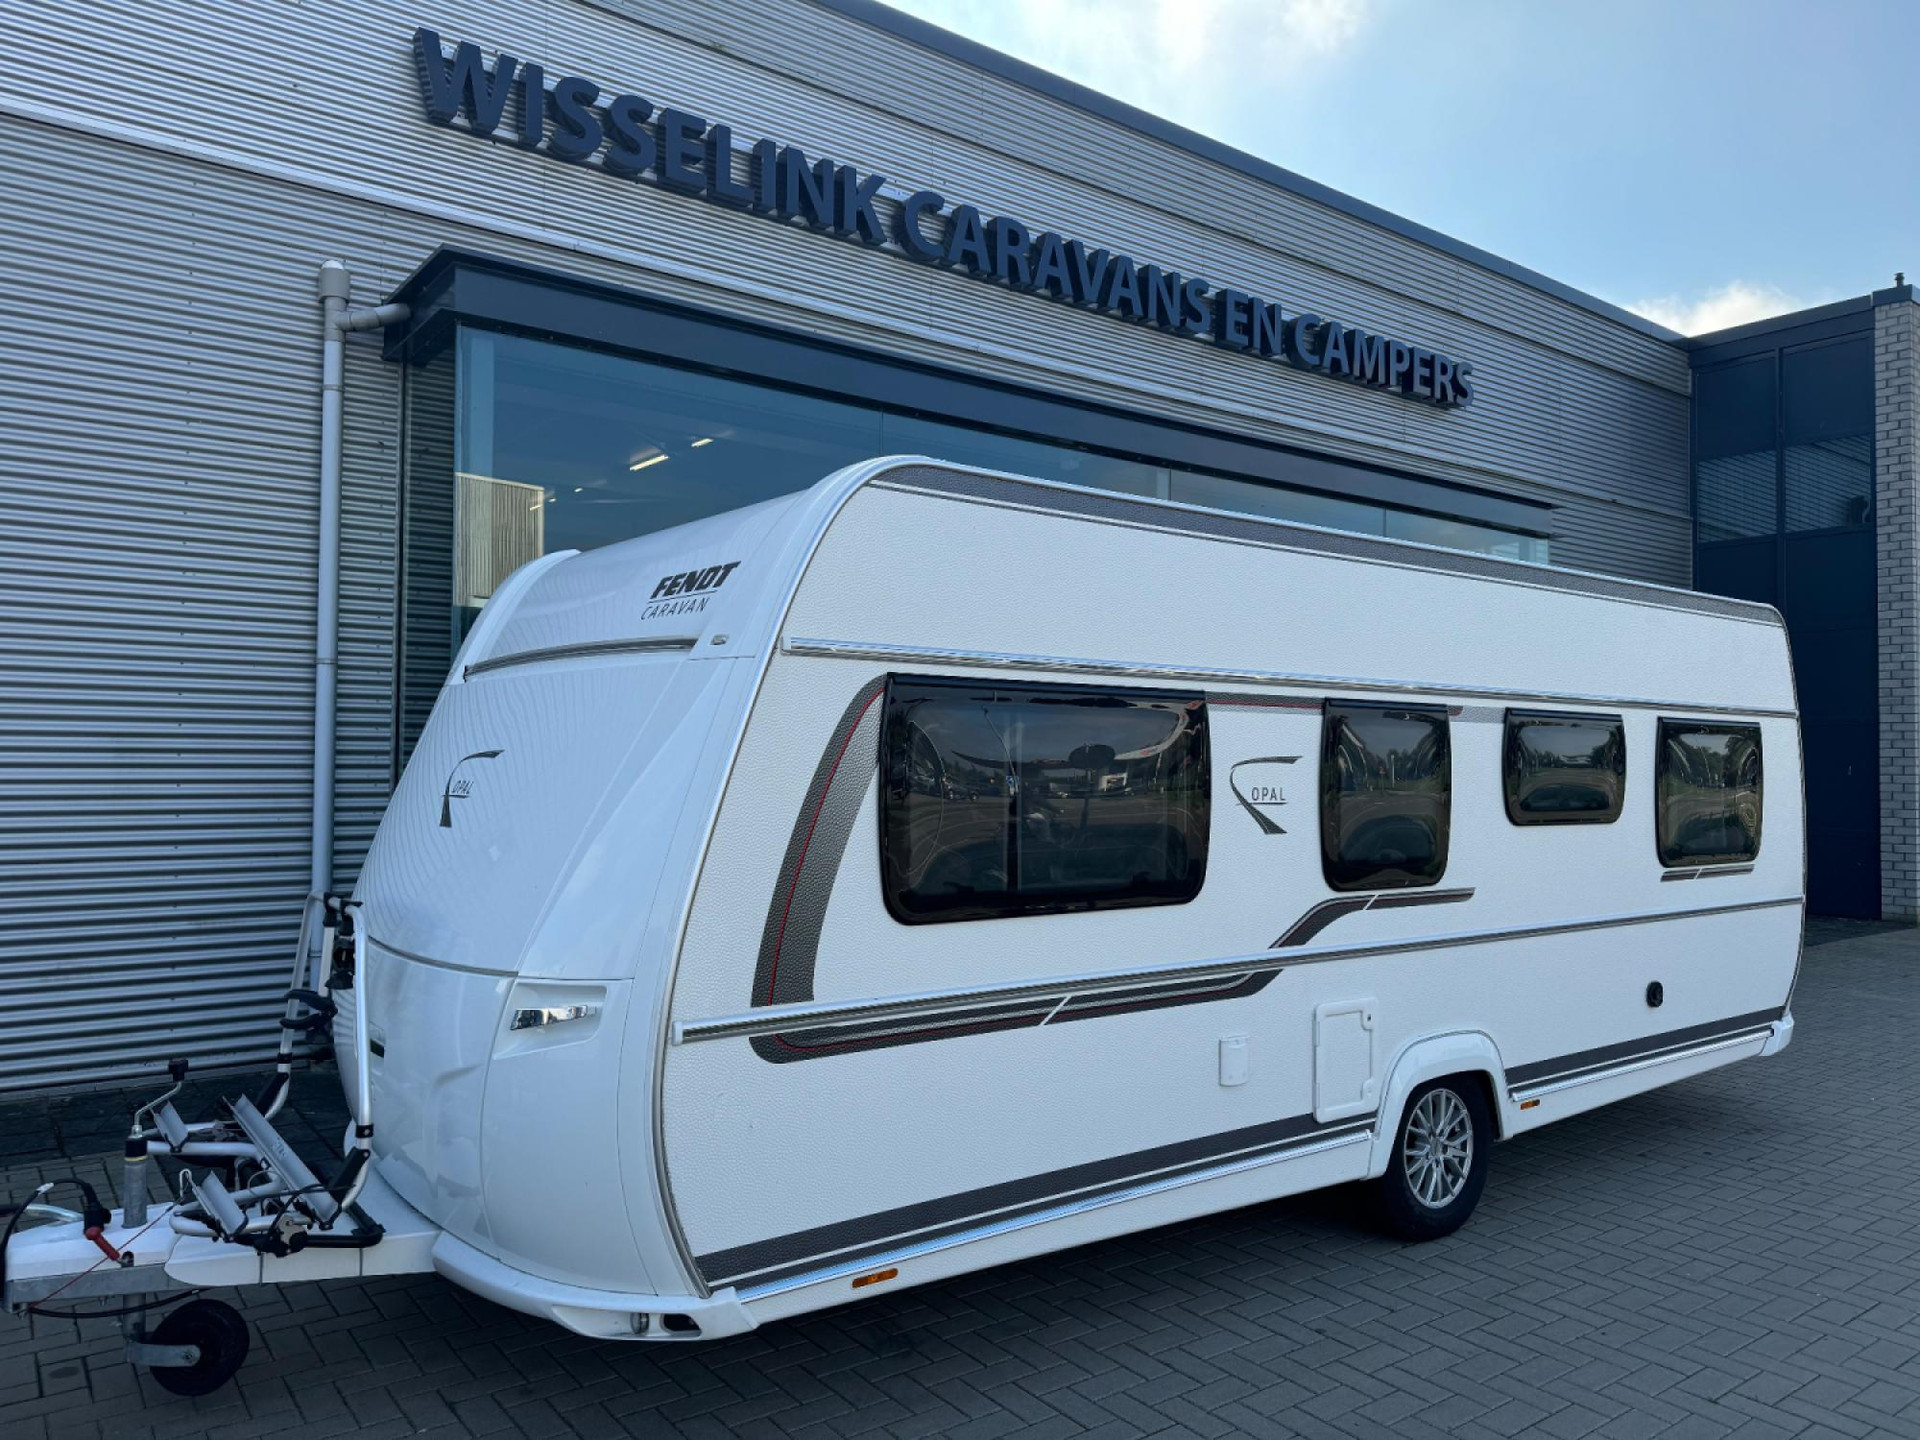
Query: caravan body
(938,867)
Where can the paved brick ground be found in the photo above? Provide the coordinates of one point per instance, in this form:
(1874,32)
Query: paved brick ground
(1739,1254)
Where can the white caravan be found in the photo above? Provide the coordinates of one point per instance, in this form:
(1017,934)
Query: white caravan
(939,867)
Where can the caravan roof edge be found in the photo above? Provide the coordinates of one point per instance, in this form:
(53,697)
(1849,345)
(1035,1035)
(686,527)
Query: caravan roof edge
(993,487)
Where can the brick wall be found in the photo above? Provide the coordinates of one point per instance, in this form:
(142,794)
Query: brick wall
(1896,335)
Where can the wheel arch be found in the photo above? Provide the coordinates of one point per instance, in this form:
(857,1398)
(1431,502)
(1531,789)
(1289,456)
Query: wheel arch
(1435,1057)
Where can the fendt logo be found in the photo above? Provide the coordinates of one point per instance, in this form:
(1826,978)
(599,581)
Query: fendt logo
(459,786)
(687,591)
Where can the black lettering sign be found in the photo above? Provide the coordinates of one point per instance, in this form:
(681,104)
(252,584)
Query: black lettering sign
(681,151)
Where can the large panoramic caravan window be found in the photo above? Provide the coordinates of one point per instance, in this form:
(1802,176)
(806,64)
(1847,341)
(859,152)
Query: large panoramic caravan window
(1564,769)
(1007,799)
(1386,793)
(1708,793)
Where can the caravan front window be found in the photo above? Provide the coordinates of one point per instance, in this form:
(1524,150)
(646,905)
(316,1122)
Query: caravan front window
(1010,799)
(1386,794)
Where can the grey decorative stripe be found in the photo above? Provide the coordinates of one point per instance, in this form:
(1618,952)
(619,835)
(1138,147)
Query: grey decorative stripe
(1263,702)
(763,1262)
(1171,516)
(796,911)
(1400,899)
(890,654)
(1627,1052)
(944,1007)
(585,649)
(1707,872)
(790,938)
(1328,911)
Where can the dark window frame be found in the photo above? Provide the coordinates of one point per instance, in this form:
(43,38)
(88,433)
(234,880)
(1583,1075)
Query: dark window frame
(1668,858)
(1008,905)
(1333,867)
(1509,779)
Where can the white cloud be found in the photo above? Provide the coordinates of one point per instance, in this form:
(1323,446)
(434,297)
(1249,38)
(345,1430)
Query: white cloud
(1190,60)
(1735,303)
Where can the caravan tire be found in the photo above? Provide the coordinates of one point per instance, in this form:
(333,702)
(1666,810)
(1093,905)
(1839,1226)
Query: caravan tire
(1438,1166)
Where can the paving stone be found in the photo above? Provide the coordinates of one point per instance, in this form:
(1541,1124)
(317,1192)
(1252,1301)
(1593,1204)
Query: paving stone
(1735,1255)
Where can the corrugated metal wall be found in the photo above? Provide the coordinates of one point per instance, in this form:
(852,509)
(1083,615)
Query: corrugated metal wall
(158,412)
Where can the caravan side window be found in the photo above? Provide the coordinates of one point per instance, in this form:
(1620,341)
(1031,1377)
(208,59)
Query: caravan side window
(1008,799)
(1563,768)
(1707,793)
(1386,794)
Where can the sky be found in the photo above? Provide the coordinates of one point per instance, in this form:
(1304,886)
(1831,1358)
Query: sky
(1701,162)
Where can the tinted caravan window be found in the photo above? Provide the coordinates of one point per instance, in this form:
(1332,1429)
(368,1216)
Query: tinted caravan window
(1708,793)
(1004,799)
(1386,794)
(1564,769)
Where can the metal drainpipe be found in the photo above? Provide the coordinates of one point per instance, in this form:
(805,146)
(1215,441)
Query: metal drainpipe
(334,287)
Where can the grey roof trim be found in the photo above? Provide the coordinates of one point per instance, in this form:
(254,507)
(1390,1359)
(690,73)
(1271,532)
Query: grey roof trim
(1045,82)
(993,488)
(1838,309)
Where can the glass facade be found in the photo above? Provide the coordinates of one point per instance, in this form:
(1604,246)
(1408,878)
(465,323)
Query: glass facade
(1783,442)
(556,446)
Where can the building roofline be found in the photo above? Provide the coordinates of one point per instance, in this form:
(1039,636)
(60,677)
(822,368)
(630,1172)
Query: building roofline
(1860,305)
(994,62)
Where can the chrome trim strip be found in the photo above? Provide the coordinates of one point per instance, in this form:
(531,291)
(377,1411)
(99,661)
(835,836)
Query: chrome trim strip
(771,1019)
(585,649)
(1707,872)
(1220,675)
(1550,1087)
(994,1229)
(538,1016)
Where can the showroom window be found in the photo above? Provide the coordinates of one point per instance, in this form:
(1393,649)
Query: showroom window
(518,446)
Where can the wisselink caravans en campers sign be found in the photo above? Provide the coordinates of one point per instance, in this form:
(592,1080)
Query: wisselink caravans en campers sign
(578,122)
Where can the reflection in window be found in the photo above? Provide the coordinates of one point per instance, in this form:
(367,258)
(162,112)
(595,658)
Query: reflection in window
(1221,492)
(1830,483)
(566,448)
(1564,769)
(1460,535)
(909,435)
(1827,424)
(1734,496)
(528,446)
(1708,793)
(1735,435)
(560,447)
(1026,799)
(1386,794)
